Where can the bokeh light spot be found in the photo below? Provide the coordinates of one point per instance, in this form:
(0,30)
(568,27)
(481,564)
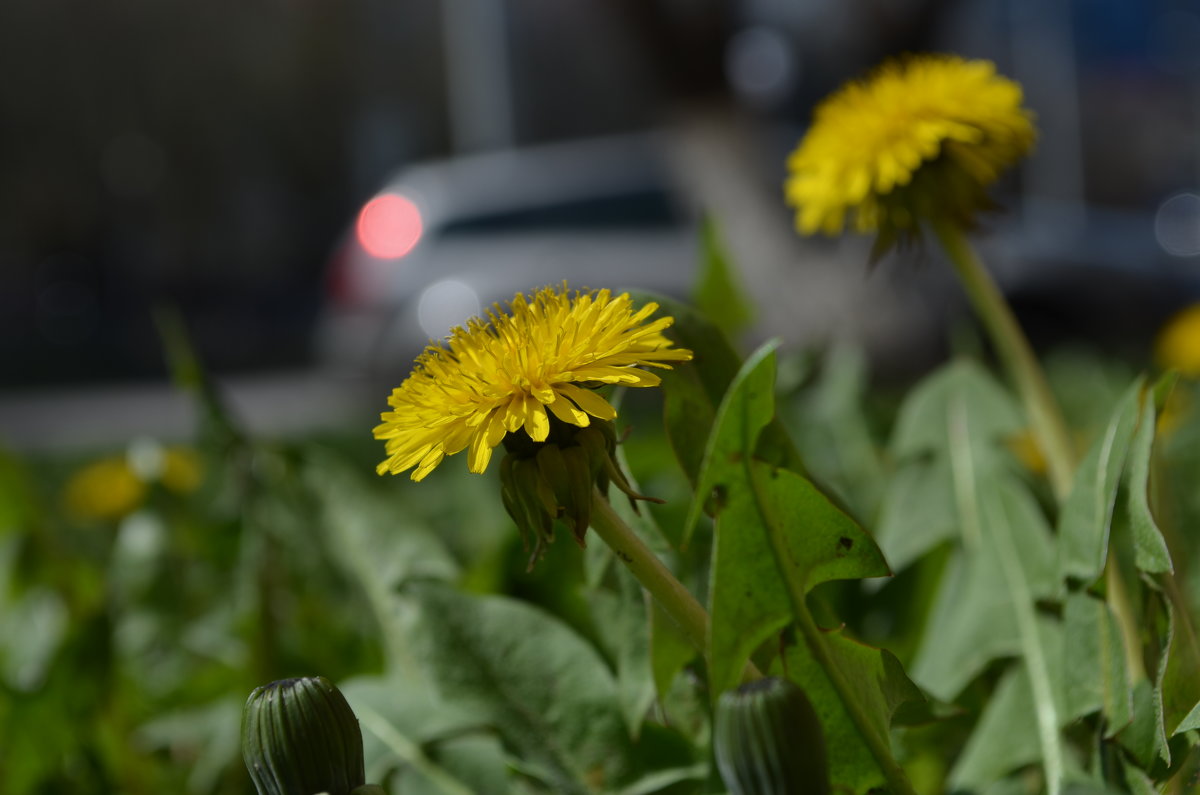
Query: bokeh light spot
(389,226)
(446,304)
(1177,225)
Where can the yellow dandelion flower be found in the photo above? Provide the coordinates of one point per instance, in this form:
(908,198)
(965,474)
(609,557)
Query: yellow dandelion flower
(105,489)
(1178,344)
(920,138)
(521,370)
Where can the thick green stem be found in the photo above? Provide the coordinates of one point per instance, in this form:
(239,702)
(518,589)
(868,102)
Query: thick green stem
(1016,354)
(677,601)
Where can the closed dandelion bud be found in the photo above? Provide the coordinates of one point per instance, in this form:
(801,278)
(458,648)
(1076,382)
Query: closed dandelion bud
(300,737)
(768,741)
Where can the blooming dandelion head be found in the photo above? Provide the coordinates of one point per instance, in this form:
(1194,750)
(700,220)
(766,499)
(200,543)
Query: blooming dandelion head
(517,373)
(920,139)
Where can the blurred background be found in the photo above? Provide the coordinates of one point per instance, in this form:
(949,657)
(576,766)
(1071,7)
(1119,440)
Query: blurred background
(320,188)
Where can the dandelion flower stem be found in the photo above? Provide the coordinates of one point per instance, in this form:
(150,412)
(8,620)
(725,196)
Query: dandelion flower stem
(1015,352)
(669,592)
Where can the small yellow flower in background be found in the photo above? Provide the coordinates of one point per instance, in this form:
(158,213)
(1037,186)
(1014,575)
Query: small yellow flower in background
(521,370)
(921,138)
(116,486)
(1178,344)
(105,489)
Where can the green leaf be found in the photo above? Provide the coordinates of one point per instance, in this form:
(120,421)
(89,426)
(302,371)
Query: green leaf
(1144,736)
(832,432)
(693,390)
(1179,682)
(777,537)
(748,600)
(878,679)
(974,616)
(923,505)
(918,512)
(746,409)
(1094,675)
(1002,741)
(1086,518)
(1150,548)
(440,749)
(670,650)
(717,293)
(992,413)
(547,692)
(622,624)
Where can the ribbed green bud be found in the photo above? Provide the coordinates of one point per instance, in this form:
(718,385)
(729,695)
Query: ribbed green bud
(545,482)
(768,741)
(300,737)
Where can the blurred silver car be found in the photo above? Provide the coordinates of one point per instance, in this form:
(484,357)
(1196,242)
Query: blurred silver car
(442,241)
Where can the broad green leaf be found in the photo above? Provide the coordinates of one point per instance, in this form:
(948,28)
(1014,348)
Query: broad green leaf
(1150,548)
(777,537)
(1094,675)
(1002,740)
(1085,522)
(377,548)
(832,432)
(922,507)
(921,426)
(918,511)
(1191,721)
(1144,736)
(670,650)
(717,293)
(441,750)
(987,602)
(748,599)
(693,390)
(1136,780)
(623,627)
(547,692)
(745,410)
(1005,737)
(1179,682)
(879,681)
(974,618)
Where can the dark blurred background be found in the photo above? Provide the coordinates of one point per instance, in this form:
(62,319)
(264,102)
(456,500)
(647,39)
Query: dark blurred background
(215,157)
